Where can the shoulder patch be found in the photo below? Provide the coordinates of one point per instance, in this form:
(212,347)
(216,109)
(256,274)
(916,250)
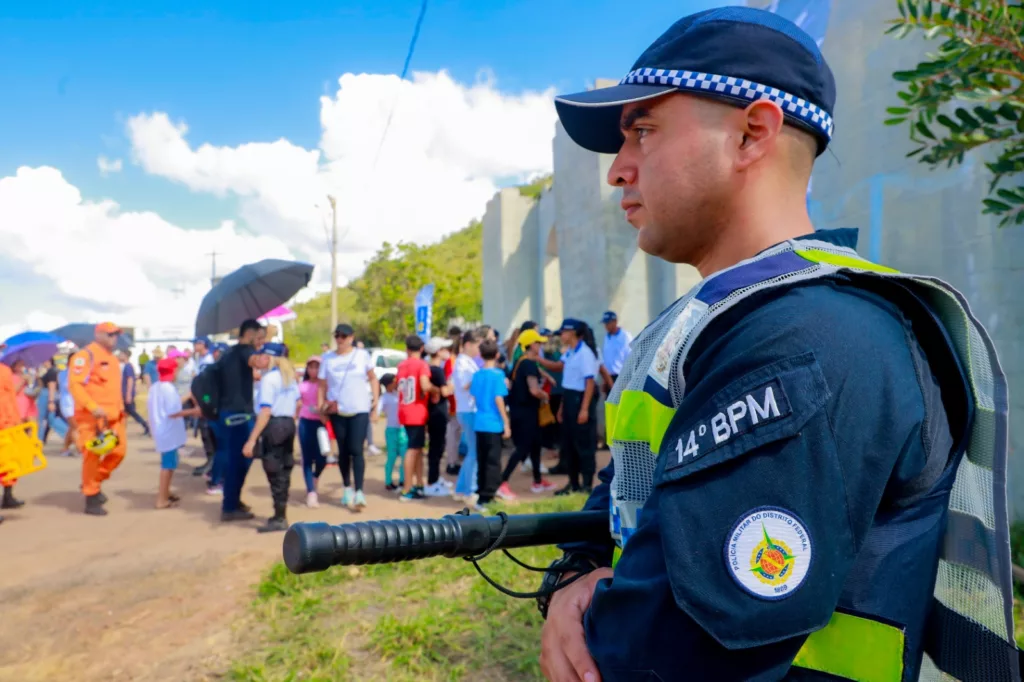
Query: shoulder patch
(79,361)
(768,553)
(728,419)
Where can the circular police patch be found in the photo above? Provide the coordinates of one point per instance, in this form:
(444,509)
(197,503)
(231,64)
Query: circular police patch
(768,552)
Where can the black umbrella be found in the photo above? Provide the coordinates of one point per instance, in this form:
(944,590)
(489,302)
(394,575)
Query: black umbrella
(249,292)
(82,334)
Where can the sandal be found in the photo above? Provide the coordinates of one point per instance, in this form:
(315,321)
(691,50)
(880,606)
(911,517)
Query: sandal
(173,498)
(170,503)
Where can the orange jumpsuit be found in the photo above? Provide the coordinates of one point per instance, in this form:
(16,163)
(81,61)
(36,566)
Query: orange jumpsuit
(94,379)
(9,414)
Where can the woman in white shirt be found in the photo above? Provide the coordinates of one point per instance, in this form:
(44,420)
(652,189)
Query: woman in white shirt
(274,431)
(349,393)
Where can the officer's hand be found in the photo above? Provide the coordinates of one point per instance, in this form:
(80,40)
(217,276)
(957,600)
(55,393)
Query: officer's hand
(248,448)
(563,646)
(99,412)
(583,417)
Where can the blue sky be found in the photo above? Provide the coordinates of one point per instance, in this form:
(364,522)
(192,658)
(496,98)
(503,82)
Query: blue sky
(72,72)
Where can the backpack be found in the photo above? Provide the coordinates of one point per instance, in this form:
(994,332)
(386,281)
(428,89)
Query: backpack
(206,391)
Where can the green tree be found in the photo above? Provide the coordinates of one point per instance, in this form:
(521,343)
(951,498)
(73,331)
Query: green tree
(970,93)
(379,303)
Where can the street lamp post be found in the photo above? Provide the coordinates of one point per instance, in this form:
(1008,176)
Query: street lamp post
(334,263)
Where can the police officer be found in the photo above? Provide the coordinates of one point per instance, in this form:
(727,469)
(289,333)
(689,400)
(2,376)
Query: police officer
(786,436)
(277,405)
(578,412)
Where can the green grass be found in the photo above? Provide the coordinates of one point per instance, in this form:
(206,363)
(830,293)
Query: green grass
(1017,556)
(427,620)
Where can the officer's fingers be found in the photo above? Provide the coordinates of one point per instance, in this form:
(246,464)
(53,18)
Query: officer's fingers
(573,645)
(553,663)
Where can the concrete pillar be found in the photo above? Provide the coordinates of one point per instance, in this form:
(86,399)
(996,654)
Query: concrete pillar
(511,268)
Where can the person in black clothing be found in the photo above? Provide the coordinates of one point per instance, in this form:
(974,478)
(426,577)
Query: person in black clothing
(235,414)
(128,390)
(524,400)
(48,387)
(438,351)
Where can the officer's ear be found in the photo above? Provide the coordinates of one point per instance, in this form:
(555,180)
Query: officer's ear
(761,123)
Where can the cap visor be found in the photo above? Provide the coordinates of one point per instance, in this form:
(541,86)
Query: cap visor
(592,118)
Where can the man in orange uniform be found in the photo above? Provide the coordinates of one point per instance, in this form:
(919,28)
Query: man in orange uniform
(94,379)
(9,416)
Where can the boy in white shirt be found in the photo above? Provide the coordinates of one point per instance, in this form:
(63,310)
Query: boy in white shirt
(167,424)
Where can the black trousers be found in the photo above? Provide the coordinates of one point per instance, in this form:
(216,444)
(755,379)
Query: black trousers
(129,407)
(488,461)
(350,432)
(209,440)
(526,436)
(437,427)
(552,433)
(278,455)
(579,441)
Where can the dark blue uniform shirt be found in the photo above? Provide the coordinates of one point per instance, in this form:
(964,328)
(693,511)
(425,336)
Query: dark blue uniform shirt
(856,448)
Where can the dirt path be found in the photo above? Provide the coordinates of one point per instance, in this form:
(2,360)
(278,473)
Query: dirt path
(143,594)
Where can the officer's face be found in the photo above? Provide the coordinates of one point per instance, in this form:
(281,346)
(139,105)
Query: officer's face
(674,173)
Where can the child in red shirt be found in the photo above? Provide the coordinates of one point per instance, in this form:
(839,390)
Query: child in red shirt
(414,390)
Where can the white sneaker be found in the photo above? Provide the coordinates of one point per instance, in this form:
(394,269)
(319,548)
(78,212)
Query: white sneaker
(437,489)
(312,501)
(447,484)
(374,450)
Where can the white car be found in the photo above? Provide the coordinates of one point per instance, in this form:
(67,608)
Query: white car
(385,360)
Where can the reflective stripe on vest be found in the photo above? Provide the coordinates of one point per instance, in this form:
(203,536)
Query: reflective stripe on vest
(972,624)
(854,648)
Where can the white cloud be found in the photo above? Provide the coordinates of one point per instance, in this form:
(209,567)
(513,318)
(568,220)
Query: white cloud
(68,259)
(108,166)
(447,146)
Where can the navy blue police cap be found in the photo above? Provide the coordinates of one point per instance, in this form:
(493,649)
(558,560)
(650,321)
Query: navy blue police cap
(571,324)
(736,55)
(276,350)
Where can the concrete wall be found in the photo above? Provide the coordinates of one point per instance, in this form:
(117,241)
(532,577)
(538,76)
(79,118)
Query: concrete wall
(913,218)
(511,272)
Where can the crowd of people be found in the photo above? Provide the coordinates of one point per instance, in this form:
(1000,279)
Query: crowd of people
(456,400)
(452,404)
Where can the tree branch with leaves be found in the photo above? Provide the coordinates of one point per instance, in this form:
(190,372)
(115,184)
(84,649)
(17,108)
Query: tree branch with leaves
(969,94)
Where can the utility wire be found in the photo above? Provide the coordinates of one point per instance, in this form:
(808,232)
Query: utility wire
(405,71)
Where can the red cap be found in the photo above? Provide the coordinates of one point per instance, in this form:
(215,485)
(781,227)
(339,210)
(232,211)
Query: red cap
(166,369)
(108,328)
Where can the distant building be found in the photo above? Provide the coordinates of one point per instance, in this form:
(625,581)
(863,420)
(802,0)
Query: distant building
(571,253)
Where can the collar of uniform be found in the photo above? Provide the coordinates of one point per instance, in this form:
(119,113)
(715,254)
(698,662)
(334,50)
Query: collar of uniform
(842,236)
(577,348)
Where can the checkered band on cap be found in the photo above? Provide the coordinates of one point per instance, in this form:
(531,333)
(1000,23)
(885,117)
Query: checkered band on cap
(791,105)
